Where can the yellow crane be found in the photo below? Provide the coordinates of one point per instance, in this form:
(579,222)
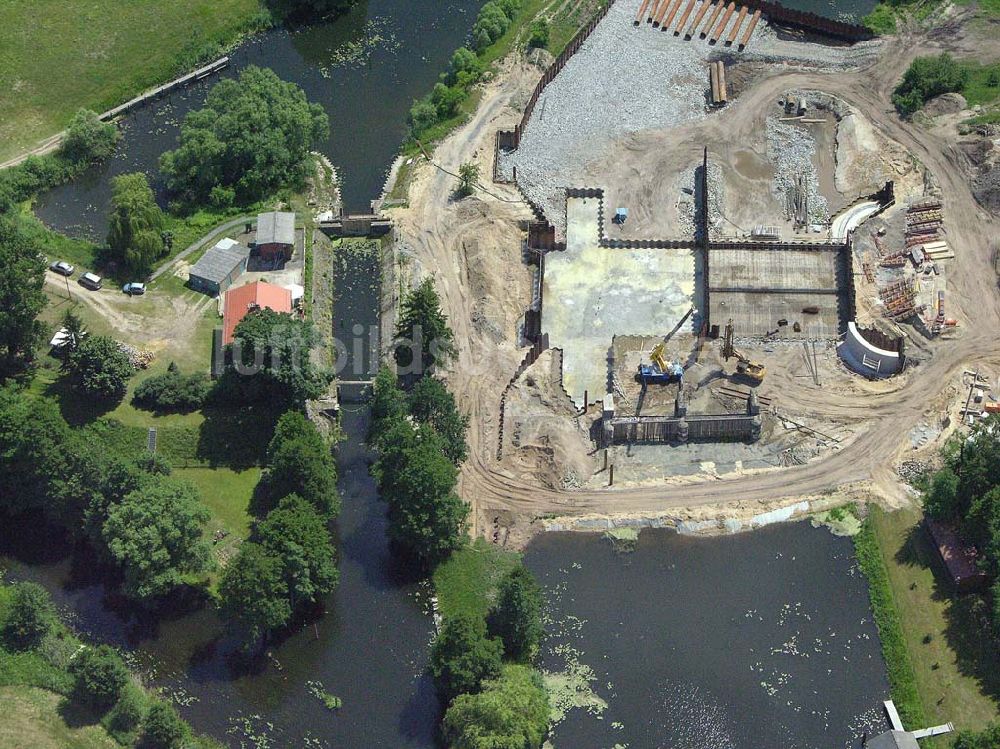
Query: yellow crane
(754,370)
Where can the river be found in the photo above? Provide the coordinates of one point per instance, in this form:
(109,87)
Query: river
(762,639)
(365,69)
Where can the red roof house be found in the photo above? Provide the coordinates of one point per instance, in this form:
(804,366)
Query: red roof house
(254,295)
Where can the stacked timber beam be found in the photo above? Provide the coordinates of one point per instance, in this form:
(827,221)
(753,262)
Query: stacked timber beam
(717,76)
(924,222)
(708,19)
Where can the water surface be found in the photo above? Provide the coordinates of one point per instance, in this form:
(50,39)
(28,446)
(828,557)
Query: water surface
(764,639)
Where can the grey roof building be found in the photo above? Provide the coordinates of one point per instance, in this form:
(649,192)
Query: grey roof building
(276,227)
(893,740)
(219,267)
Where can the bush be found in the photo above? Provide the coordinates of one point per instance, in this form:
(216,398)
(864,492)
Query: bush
(882,19)
(163,728)
(172,392)
(129,711)
(100,677)
(539,36)
(423,115)
(30,616)
(512,711)
(926,78)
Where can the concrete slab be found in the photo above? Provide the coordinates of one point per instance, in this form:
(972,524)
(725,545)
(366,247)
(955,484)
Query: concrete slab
(592,293)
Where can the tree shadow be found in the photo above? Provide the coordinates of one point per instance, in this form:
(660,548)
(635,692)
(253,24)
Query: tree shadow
(77,715)
(968,626)
(236,436)
(78,409)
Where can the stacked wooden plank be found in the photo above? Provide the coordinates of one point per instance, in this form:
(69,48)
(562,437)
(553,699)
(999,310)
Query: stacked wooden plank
(924,222)
(717,76)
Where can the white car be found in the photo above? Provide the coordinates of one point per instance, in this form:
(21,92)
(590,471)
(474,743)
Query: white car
(62,268)
(134,289)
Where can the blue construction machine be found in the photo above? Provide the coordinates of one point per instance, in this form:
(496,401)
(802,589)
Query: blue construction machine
(660,372)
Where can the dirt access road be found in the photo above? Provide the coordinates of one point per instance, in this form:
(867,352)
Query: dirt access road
(438,231)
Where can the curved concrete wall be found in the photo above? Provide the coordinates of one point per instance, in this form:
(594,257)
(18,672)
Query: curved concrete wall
(866,359)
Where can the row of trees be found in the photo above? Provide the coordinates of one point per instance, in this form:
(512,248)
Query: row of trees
(99,680)
(143,523)
(289,563)
(466,68)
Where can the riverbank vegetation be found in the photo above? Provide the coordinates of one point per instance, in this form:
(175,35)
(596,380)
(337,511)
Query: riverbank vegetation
(500,25)
(59,691)
(902,682)
(928,77)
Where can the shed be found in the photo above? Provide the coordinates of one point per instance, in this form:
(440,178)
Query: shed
(243,299)
(961,560)
(219,267)
(275,235)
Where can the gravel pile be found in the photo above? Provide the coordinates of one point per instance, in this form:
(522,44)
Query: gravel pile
(912,471)
(790,148)
(687,207)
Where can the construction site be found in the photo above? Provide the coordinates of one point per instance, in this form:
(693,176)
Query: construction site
(711,272)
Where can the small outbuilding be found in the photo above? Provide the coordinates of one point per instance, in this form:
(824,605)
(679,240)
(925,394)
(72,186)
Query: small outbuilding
(275,235)
(893,740)
(243,299)
(219,268)
(960,559)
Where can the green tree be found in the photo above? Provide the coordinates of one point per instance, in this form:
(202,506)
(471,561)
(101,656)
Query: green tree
(99,368)
(252,137)
(388,403)
(926,78)
(300,462)
(468,176)
(136,223)
(941,500)
(464,66)
(516,616)
(271,360)
(21,297)
(30,616)
(431,403)
(462,656)
(163,728)
(988,738)
(424,339)
(426,517)
(423,116)
(88,139)
(254,593)
(511,712)
(99,677)
(75,330)
(295,534)
(155,534)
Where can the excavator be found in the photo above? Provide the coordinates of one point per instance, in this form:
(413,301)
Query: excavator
(751,369)
(660,371)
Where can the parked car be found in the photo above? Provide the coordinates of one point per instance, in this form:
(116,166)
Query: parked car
(134,289)
(91,281)
(62,268)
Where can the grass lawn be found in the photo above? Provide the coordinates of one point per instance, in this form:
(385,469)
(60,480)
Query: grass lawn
(227,494)
(37,719)
(467,581)
(954,659)
(59,55)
